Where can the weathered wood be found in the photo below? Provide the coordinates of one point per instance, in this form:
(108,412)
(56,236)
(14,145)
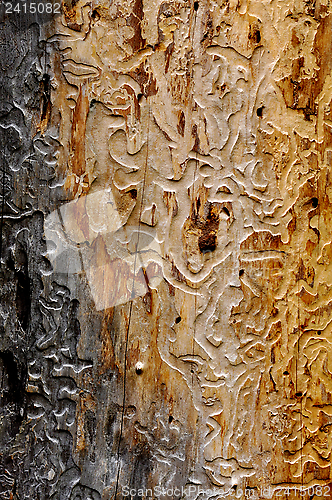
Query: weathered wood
(166,250)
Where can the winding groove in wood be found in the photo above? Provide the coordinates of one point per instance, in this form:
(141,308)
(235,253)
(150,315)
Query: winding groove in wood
(166,252)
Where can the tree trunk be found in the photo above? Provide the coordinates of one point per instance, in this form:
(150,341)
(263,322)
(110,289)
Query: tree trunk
(166,250)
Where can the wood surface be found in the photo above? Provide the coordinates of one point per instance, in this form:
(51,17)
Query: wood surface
(166,250)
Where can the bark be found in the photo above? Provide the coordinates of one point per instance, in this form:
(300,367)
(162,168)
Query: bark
(166,250)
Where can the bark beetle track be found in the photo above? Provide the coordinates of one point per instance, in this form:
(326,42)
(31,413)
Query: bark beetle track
(222,148)
(128,329)
(186,107)
(2,208)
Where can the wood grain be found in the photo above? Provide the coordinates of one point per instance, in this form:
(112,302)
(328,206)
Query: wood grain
(166,279)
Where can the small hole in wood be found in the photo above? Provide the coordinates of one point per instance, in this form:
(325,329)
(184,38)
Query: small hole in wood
(226,211)
(139,368)
(298,394)
(241,272)
(170,419)
(133,193)
(178,319)
(314,202)
(259,111)
(286,373)
(196,6)
(95,15)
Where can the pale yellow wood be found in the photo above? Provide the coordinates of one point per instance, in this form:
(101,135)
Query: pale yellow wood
(206,127)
